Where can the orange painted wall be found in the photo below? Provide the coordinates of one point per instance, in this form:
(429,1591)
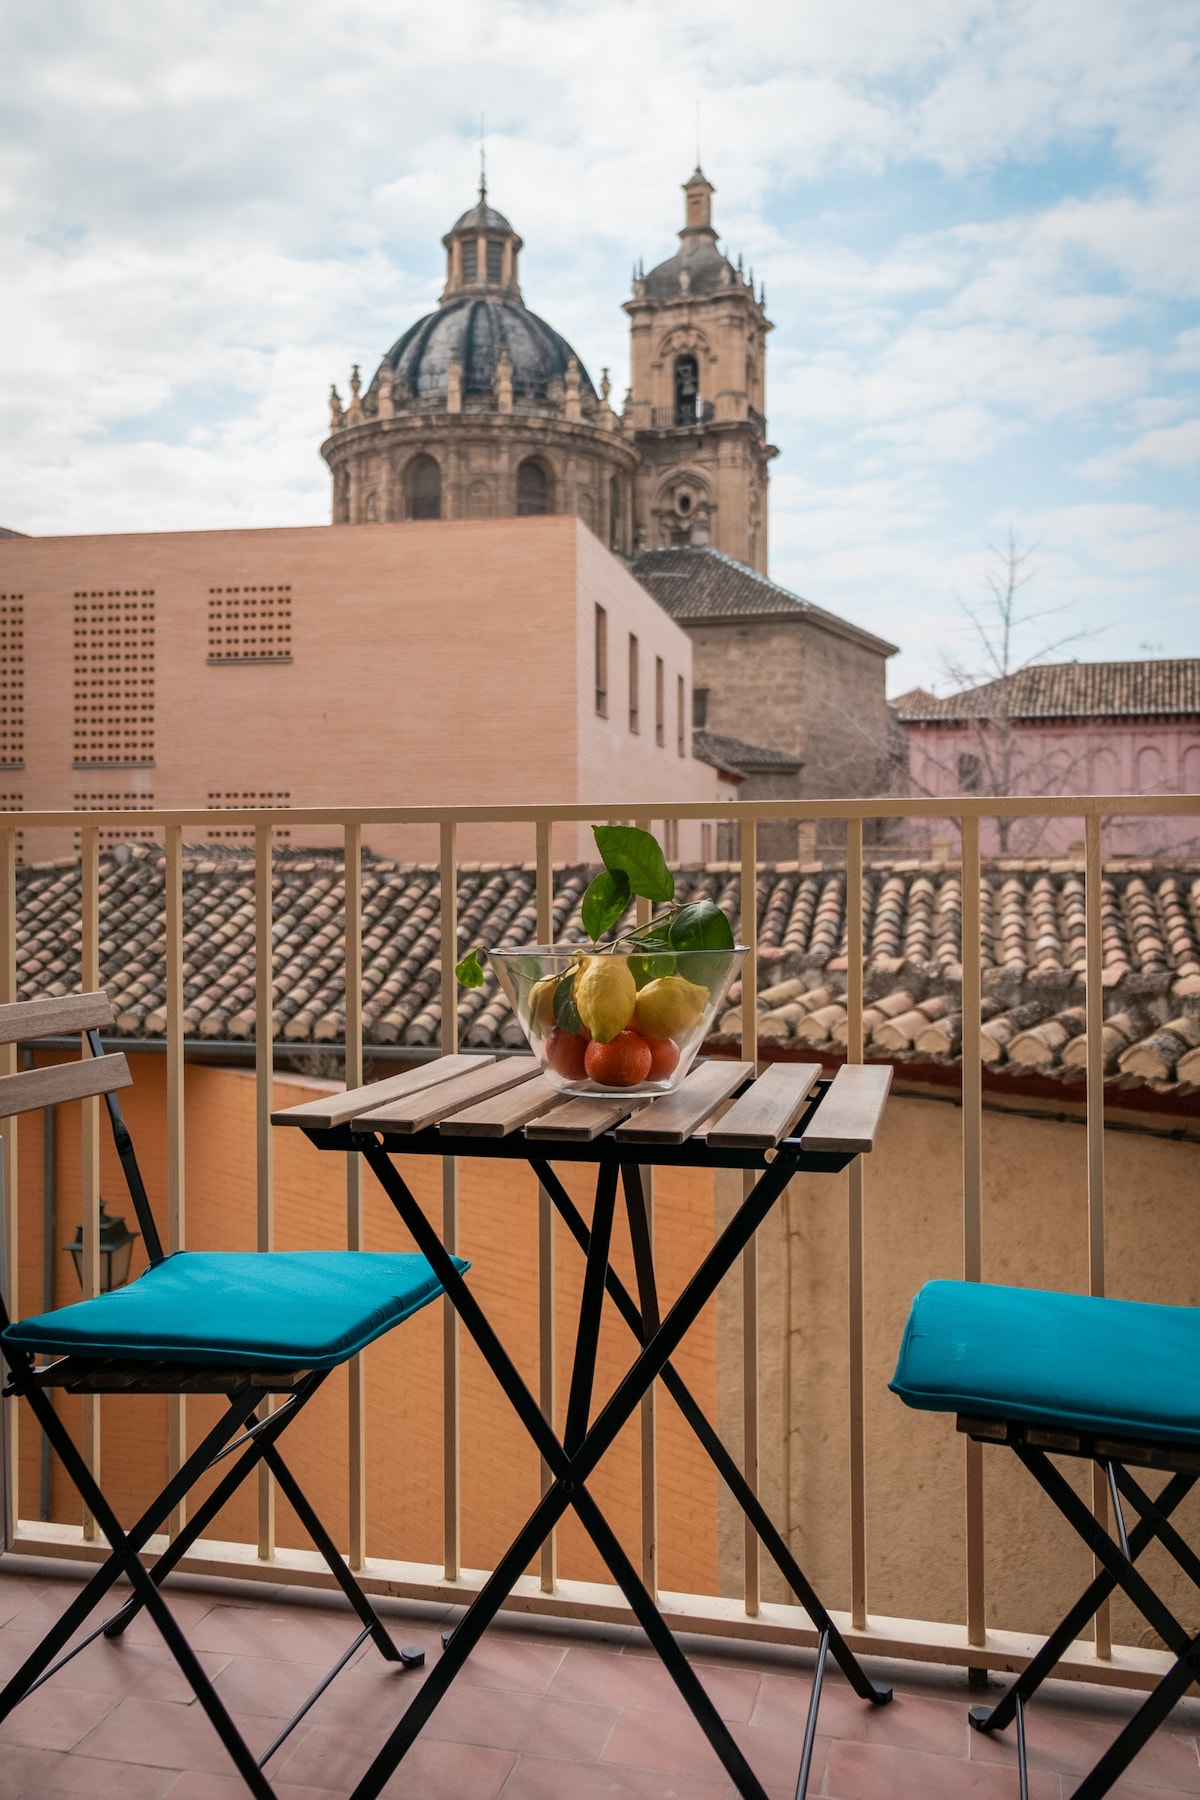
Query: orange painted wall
(498,1231)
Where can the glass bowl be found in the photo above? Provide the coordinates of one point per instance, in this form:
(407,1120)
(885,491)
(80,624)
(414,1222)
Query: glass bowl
(652,1010)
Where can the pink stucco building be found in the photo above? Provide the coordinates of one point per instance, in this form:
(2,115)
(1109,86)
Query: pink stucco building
(1065,728)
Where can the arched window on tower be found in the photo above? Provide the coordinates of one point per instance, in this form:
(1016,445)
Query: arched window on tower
(533,490)
(423,489)
(687,390)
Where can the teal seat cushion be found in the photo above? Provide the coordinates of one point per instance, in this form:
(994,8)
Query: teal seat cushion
(289,1309)
(1117,1368)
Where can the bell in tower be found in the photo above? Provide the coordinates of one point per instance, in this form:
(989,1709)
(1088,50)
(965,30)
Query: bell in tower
(697,401)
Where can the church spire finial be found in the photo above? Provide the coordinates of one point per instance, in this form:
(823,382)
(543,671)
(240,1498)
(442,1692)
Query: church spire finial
(482,161)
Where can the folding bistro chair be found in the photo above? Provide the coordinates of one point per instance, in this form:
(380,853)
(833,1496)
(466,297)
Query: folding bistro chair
(244,1326)
(1109,1381)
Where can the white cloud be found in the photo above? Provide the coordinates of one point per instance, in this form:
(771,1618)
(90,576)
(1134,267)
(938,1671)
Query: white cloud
(206,213)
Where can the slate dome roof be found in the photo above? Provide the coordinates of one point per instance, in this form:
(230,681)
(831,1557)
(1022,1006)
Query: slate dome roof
(475,329)
(481,217)
(706,268)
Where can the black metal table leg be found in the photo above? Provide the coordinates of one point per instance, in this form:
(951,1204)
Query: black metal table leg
(571,1467)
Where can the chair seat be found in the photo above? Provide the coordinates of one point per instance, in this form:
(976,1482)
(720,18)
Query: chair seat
(1116,1368)
(309,1309)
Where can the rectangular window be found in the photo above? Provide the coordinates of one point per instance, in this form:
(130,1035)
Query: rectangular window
(681,716)
(495,254)
(602,662)
(699,708)
(114,678)
(633,683)
(660,701)
(470,256)
(970,771)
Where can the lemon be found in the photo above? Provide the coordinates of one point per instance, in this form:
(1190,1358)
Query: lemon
(668,1007)
(539,1002)
(605,994)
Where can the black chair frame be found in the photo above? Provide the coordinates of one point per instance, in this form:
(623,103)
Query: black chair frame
(1033,1445)
(247,1431)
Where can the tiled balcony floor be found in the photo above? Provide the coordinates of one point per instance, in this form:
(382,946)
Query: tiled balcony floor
(541,1712)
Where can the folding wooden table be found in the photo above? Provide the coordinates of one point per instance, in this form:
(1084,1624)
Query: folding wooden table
(788,1121)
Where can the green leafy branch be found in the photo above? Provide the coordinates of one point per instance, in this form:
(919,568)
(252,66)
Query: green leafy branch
(634,866)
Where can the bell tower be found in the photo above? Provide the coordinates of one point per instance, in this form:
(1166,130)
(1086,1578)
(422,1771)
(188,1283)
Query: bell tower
(697,397)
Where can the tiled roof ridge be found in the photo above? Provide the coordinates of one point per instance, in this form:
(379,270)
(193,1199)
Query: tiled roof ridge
(1033,938)
(727,751)
(1150,687)
(786,602)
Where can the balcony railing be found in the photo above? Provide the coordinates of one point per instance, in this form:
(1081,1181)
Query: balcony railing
(974,1638)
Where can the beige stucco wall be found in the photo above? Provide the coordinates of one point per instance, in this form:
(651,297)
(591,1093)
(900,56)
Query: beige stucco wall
(442,663)
(1035,1234)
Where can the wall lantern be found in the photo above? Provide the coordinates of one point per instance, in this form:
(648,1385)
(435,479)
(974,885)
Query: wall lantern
(116,1249)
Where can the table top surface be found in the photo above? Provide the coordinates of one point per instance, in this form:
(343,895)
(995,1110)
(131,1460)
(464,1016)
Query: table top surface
(485,1105)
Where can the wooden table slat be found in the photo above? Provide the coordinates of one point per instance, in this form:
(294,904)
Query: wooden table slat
(767,1111)
(579,1121)
(848,1117)
(418,1111)
(503,1113)
(331,1110)
(672,1118)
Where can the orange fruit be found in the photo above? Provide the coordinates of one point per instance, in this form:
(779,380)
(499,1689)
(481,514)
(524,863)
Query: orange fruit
(664,1058)
(564,1053)
(622,1062)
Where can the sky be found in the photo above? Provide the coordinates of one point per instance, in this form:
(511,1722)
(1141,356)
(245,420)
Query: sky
(977,222)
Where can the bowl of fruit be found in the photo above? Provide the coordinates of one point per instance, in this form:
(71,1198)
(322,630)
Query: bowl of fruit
(626,1016)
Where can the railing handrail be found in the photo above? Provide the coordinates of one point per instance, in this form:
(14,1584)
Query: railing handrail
(954,806)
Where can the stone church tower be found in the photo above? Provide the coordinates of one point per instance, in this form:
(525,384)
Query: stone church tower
(697,399)
(481,410)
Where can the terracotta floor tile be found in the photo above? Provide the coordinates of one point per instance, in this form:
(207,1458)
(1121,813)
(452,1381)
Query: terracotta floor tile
(312,1635)
(170,1737)
(549,1778)
(121,1668)
(1070,1739)
(335,1757)
(672,1742)
(30,1774)
(262,1684)
(523,1722)
(910,1721)
(858,1771)
(502,1660)
(597,1675)
(56,1716)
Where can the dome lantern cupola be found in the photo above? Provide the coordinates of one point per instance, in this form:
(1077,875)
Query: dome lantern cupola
(481,254)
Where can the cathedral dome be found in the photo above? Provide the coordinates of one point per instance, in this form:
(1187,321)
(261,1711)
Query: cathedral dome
(474,331)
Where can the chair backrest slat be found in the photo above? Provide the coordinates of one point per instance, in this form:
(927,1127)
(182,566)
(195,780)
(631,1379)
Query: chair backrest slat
(56,1016)
(34,1088)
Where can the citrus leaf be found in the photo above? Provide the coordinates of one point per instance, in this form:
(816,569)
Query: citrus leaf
(468,970)
(605,902)
(566,1013)
(635,853)
(700,926)
(650,968)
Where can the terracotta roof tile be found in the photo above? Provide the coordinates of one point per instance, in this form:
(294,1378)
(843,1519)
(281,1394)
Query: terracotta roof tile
(696,583)
(1074,690)
(1033,954)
